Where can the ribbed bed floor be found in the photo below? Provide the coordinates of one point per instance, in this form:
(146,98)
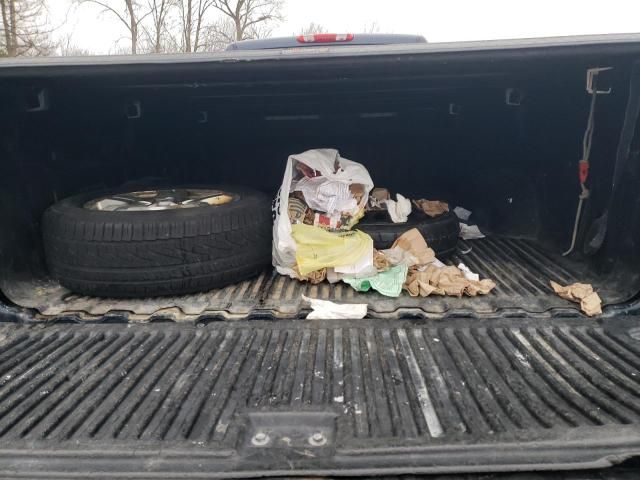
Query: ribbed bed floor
(280,397)
(520,268)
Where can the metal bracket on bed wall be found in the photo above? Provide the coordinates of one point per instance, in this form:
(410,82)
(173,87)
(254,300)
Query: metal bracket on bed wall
(38,101)
(513,97)
(591,74)
(454,109)
(133,110)
(203,116)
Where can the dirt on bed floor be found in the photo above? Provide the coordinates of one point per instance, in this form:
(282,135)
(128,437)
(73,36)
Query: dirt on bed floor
(521,270)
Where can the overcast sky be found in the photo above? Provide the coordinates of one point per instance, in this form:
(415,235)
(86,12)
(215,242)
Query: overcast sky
(437,20)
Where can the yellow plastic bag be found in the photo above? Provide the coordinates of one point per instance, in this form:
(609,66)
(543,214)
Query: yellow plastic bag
(317,248)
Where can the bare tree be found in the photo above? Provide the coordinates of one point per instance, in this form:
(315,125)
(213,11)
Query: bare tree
(117,49)
(194,23)
(216,36)
(129,12)
(157,33)
(313,28)
(251,18)
(67,48)
(24,30)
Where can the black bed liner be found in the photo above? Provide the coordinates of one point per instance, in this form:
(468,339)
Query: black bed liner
(335,398)
(521,269)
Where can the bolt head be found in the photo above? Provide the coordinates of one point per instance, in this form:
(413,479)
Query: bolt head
(260,439)
(317,439)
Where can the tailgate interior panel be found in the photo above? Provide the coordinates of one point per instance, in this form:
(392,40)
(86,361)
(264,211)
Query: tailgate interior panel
(315,398)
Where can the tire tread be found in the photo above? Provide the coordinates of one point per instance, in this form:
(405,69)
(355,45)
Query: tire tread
(160,255)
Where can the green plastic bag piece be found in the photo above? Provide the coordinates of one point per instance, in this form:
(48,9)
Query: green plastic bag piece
(388,283)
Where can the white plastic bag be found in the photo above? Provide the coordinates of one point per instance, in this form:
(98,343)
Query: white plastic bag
(330,165)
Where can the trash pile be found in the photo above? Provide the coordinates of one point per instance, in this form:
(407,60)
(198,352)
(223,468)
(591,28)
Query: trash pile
(321,200)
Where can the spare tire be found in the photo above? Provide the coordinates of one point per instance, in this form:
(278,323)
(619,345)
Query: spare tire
(441,232)
(158,242)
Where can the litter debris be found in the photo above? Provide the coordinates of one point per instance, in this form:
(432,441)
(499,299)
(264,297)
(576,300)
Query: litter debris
(399,210)
(327,192)
(462,213)
(470,232)
(321,198)
(388,283)
(432,208)
(328,196)
(326,310)
(468,274)
(359,193)
(414,243)
(330,223)
(317,248)
(582,293)
(398,256)
(447,280)
(435,263)
(333,277)
(298,210)
(314,278)
(381,261)
(362,268)
(464,248)
(377,199)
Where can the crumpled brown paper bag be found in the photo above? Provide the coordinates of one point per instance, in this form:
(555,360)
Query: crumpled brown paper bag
(413,242)
(380,261)
(314,278)
(444,281)
(582,293)
(433,208)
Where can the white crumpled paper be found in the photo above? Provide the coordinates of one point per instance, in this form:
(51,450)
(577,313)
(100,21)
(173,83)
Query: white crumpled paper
(325,195)
(399,209)
(468,274)
(462,213)
(470,232)
(326,310)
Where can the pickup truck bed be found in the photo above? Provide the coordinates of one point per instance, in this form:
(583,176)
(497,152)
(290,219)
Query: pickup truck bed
(235,382)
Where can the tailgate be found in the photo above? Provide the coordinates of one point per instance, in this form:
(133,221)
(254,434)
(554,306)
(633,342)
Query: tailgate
(318,398)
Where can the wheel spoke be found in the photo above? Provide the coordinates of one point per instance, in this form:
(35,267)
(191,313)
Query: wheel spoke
(161,200)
